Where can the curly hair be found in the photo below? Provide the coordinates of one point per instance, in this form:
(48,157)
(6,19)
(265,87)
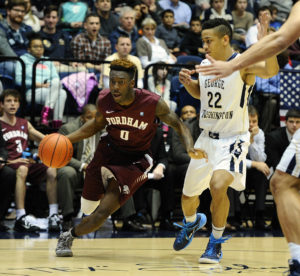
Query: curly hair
(124,65)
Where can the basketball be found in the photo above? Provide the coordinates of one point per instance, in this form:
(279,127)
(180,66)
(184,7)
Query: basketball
(55,150)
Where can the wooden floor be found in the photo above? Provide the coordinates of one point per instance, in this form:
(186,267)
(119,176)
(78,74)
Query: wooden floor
(142,256)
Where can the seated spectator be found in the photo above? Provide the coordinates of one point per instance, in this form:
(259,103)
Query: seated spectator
(151,49)
(154,10)
(48,90)
(70,177)
(218,10)
(56,41)
(159,84)
(5,48)
(276,143)
(14,27)
(30,19)
(90,45)
(191,43)
(283,6)
(251,36)
(257,169)
(141,12)
(73,13)
(166,31)
(182,12)
(123,48)
(8,182)
(17,132)
(274,22)
(242,21)
(108,20)
(126,27)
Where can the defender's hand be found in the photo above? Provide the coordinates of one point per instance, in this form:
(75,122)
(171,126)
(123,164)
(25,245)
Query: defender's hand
(197,153)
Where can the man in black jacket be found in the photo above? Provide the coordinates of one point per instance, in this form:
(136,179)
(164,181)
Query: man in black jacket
(7,183)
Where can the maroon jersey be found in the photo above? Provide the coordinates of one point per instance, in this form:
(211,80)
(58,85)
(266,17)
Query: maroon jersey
(130,128)
(16,138)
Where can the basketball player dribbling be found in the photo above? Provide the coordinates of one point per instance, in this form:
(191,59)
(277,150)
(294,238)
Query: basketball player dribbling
(225,137)
(285,183)
(122,158)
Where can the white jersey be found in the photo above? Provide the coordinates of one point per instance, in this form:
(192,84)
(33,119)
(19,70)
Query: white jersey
(224,104)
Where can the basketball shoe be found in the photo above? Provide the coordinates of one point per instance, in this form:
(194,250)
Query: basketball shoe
(294,267)
(213,253)
(64,244)
(23,224)
(187,231)
(54,223)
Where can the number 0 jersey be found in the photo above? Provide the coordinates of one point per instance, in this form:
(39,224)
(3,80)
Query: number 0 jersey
(133,127)
(224,103)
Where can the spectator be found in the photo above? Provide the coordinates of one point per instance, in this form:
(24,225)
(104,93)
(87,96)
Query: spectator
(284,7)
(182,11)
(191,43)
(108,20)
(73,13)
(151,49)
(141,12)
(276,143)
(90,44)
(126,27)
(70,177)
(257,169)
(123,48)
(5,49)
(294,50)
(154,10)
(48,90)
(242,21)
(8,182)
(218,10)
(17,132)
(159,84)
(251,36)
(274,22)
(166,31)
(14,27)
(30,19)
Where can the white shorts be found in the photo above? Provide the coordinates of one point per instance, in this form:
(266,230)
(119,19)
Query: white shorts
(223,154)
(290,160)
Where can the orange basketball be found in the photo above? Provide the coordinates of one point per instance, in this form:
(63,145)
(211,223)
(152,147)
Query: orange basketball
(55,150)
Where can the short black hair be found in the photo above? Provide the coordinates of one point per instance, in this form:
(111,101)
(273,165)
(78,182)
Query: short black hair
(91,14)
(33,36)
(195,18)
(125,66)
(292,113)
(222,26)
(12,3)
(49,9)
(264,8)
(166,11)
(10,92)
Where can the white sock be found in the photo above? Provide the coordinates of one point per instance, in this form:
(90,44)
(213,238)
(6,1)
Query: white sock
(191,218)
(295,251)
(53,209)
(20,213)
(217,231)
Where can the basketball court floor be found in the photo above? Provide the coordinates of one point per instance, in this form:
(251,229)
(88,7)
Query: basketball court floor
(150,253)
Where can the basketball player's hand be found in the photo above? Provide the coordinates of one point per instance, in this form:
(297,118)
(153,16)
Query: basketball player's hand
(197,153)
(185,76)
(219,69)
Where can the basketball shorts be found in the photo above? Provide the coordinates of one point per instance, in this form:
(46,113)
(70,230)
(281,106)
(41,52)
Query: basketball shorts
(37,172)
(290,160)
(130,171)
(223,154)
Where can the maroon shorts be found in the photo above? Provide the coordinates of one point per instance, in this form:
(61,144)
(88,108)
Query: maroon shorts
(129,171)
(36,172)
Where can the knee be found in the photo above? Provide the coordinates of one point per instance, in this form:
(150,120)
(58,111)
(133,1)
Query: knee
(217,190)
(51,174)
(276,184)
(22,172)
(88,206)
(66,173)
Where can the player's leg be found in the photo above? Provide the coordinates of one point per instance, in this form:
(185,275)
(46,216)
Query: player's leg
(109,204)
(285,189)
(219,184)
(194,184)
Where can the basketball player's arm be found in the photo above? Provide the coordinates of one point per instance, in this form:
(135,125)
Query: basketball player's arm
(192,86)
(169,117)
(90,128)
(267,47)
(34,134)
